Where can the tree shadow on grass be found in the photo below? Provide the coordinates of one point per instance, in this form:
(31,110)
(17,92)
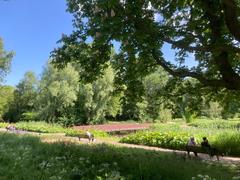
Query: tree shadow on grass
(26,157)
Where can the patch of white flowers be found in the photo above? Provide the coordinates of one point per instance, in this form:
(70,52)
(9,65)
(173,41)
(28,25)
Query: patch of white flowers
(203,177)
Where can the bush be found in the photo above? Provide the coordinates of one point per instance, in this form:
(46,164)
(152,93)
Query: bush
(66,122)
(171,140)
(175,137)
(229,142)
(213,111)
(216,124)
(76,133)
(3,124)
(29,116)
(41,127)
(165,115)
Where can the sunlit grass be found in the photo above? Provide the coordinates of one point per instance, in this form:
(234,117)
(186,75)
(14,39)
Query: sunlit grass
(176,135)
(26,157)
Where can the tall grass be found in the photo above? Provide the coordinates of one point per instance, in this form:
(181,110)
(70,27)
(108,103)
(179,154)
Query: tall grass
(216,124)
(24,157)
(42,127)
(175,136)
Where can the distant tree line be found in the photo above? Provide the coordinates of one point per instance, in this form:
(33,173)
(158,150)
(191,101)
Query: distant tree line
(63,96)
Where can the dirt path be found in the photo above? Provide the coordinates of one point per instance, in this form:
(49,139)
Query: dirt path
(225,159)
(63,138)
(60,137)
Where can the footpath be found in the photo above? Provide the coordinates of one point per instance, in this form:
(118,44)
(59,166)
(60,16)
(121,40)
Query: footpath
(60,137)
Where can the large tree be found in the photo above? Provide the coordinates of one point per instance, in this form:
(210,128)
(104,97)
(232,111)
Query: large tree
(24,97)
(6,98)
(94,99)
(5,61)
(207,29)
(58,91)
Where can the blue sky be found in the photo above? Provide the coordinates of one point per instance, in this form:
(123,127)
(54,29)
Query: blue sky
(31,28)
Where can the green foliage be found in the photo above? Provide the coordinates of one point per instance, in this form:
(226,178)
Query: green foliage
(154,86)
(57,93)
(165,115)
(3,124)
(143,27)
(213,110)
(24,97)
(6,98)
(175,137)
(216,124)
(81,133)
(29,116)
(229,142)
(94,99)
(41,127)
(114,105)
(66,122)
(188,116)
(25,157)
(5,61)
(173,140)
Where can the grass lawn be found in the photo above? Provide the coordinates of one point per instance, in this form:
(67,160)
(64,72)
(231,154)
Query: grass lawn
(26,157)
(222,134)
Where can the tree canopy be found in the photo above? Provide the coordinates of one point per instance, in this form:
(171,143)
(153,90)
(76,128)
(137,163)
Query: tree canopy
(5,61)
(207,29)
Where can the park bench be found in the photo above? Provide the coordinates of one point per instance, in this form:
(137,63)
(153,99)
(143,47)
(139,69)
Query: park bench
(212,151)
(86,135)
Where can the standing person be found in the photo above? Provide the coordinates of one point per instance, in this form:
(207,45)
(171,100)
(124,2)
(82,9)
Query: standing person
(191,146)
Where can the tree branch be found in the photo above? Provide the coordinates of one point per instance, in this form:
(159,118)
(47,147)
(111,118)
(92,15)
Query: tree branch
(184,72)
(231,17)
(209,48)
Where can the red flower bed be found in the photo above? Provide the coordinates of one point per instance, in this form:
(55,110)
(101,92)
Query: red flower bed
(115,127)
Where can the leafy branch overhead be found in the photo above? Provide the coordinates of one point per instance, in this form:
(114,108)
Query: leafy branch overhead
(208,29)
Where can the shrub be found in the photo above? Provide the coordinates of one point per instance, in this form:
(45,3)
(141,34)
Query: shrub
(3,124)
(76,133)
(216,124)
(175,137)
(29,116)
(66,122)
(165,115)
(42,127)
(229,142)
(214,110)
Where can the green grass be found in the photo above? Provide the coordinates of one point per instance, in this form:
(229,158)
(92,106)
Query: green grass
(216,124)
(175,136)
(41,127)
(25,157)
(3,124)
(76,133)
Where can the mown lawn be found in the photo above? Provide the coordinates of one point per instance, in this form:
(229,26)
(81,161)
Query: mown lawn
(26,157)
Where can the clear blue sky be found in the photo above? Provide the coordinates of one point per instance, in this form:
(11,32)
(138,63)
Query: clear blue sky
(31,28)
